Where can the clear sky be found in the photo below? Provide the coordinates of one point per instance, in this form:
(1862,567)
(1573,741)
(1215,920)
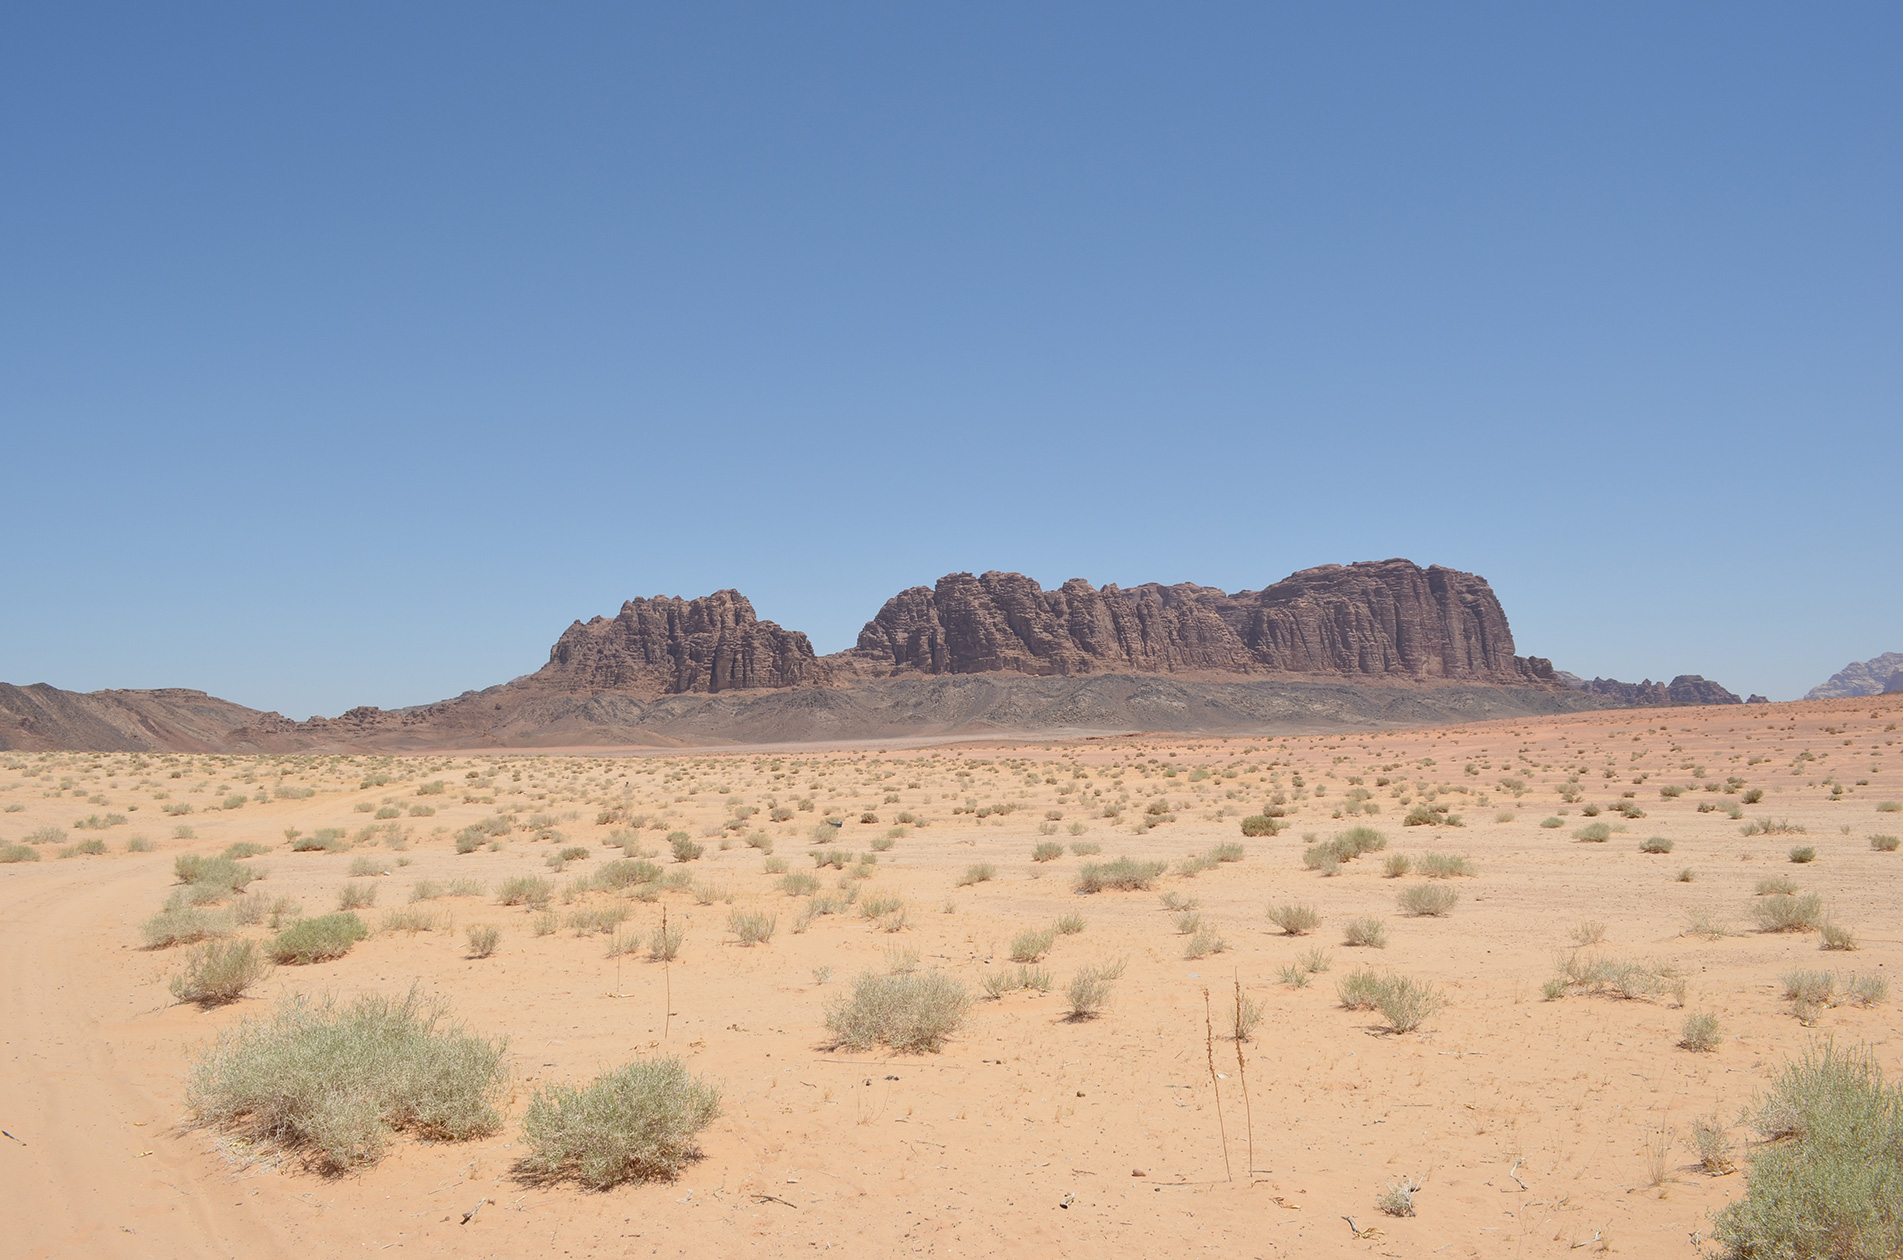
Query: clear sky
(348,352)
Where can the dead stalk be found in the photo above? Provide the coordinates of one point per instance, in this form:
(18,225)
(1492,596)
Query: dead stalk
(1209,1053)
(1242,1075)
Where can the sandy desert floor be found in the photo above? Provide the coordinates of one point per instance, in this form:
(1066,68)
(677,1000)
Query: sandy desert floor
(1535,1127)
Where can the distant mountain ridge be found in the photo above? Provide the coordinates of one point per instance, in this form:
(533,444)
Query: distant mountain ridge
(1874,677)
(1373,643)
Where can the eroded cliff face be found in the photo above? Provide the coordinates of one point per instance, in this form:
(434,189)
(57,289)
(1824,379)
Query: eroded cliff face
(1388,618)
(673,646)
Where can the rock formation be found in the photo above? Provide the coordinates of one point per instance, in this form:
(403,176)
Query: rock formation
(1859,678)
(673,646)
(1684,689)
(1377,619)
(171,719)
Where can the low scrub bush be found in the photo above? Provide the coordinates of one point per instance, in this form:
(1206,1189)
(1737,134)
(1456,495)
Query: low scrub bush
(1771,827)
(1884,844)
(1655,844)
(1838,937)
(683,847)
(1395,865)
(1011,979)
(335,1081)
(320,939)
(752,927)
(1069,924)
(1370,933)
(912,1014)
(95,847)
(1123,875)
(1260,825)
(1701,1033)
(1803,853)
(636,1123)
(1776,884)
(18,853)
(1445,866)
(1048,851)
(1828,1180)
(1788,912)
(1427,900)
(1552,822)
(1406,1004)
(1593,833)
(978,873)
(218,972)
(1089,990)
(222,873)
(1203,944)
(357,896)
(182,925)
(1295,918)
(525,890)
(483,939)
(1030,947)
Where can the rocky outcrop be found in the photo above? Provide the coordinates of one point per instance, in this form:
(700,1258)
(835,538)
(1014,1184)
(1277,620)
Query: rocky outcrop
(170,719)
(1859,678)
(1684,689)
(673,646)
(1379,619)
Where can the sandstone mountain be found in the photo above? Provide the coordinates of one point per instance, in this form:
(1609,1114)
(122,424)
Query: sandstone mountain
(1381,619)
(1684,689)
(1371,644)
(1859,678)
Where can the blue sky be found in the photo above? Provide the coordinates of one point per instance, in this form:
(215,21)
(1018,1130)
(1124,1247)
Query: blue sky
(348,352)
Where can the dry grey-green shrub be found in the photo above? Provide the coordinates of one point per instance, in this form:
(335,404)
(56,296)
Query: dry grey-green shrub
(1395,865)
(1089,990)
(1803,853)
(1244,1014)
(334,1081)
(1700,1032)
(597,920)
(1776,884)
(483,939)
(1406,1003)
(636,1123)
(1700,921)
(363,864)
(1122,875)
(223,874)
(1787,912)
(1068,924)
(1427,900)
(357,897)
(1444,866)
(1397,1197)
(1010,979)
(1368,933)
(1594,833)
(912,1014)
(1828,1180)
(664,943)
(18,853)
(799,884)
(977,873)
(1203,944)
(218,972)
(1295,918)
(1315,960)
(1047,851)
(752,927)
(901,960)
(1630,979)
(1031,946)
(1294,976)
(320,939)
(1838,937)
(1885,844)
(183,925)
(1187,922)
(1589,933)
(525,890)
(414,919)
(1358,990)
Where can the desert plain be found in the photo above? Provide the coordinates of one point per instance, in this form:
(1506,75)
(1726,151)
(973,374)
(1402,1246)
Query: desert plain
(1536,1118)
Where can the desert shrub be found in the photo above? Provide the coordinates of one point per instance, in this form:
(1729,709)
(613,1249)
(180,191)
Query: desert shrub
(911,1014)
(774,866)
(683,847)
(524,890)
(220,971)
(1803,853)
(1089,990)
(1260,825)
(1322,858)
(1294,976)
(1294,918)
(1776,884)
(1356,841)
(1591,932)
(1203,944)
(221,873)
(1358,990)
(1594,833)
(1031,946)
(1428,814)
(365,864)
(1047,851)
(244,849)
(1444,866)
(182,925)
(799,884)
(752,927)
(1686,875)
(1011,979)
(636,1123)
(1889,807)
(1427,900)
(414,919)
(1371,933)
(1316,960)
(1836,936)
(978,873)
(1864,990)
(664,943)
(1397,1197)
(93,847)
(597,920)
(45,835)
(336,1081)
(1655,844)
(483,939)
(880,844)
(1395,865)
(1123,875)
(320,939)
(1083,848)
(1068,924)
(1787,912)
(357,896)
(327,840)
(1552,822)
(1884,844)
(1828,1182)
(1713,1143)
(624,873)
(1700,1032)
(1771,827)
(1407,1004)
(18,853)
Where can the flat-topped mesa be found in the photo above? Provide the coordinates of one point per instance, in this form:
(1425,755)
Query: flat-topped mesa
(672,646)
(1387,618)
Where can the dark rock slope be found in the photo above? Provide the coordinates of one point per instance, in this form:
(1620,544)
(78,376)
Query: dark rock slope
(1379,619)
(673,646)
